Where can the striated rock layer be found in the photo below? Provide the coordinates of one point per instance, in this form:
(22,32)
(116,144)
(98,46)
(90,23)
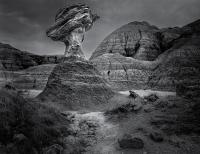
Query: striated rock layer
(76,83)
(13,59)
(128,55)
(123,72)
(34,77)
(25,70)
(175,62)
(181,66)
(138,40)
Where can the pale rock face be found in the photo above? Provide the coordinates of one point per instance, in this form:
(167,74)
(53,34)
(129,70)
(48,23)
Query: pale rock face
(70,25)
(74,43)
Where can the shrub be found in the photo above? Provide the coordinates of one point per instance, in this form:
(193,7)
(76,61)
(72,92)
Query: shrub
(41,125)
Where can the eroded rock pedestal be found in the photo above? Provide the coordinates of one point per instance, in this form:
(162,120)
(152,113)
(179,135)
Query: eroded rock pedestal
(76,83)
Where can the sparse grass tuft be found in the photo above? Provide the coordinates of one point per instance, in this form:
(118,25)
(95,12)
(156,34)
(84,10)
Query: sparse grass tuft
(42,126)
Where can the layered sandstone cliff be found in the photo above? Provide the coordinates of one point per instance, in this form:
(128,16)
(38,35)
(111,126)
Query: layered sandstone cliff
(175,53)
(25,70)
(181,65)
(138,40)
(14,59)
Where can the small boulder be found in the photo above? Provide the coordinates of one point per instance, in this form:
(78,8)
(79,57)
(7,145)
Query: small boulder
(148,108)
(151,98)
(9,86)
(137,106)
(54,149)
(133,94)
(19,137)
(171,105)
(127,141)
(20,145)
(157,137)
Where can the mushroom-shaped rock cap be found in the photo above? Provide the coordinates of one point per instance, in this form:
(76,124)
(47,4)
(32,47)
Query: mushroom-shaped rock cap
(70,18)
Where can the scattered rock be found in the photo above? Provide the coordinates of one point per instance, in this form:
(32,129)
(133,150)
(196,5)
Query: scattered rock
(9,86)
(157,137)
(70,140)
(21,145)
(126,108)
(176,141)
(137,106)
(171,104)
(151,98)
(164,104)
(161,103)
(127,141)
(148,108)
(54,149)
(12,148)
(2,149)
(19,138)
(133,94)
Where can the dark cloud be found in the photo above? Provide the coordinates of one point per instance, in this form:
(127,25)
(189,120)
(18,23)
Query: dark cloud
(23,22)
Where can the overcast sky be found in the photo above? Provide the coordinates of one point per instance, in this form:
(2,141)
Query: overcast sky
(23,22)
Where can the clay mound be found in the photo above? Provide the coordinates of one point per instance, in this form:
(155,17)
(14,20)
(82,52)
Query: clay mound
(2,75)
(34,77)
(138,40)
(177,63)
(13,59)
(76,83)
(182,65)
(123,72)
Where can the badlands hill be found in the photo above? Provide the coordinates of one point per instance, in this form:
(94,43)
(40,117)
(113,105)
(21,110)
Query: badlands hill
(25,70)
(76,83)
(14,59)
(139,55)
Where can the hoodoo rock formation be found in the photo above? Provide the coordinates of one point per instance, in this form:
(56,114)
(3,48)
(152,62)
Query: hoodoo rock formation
(70,25)
(75,82)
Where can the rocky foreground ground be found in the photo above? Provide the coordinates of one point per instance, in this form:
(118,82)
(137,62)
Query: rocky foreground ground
(150,125)
(141,123)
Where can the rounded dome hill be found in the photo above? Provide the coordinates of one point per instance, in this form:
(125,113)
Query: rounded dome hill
(138,40)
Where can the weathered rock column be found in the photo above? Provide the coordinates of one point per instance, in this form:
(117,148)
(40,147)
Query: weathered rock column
(74,83)
(70,25)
